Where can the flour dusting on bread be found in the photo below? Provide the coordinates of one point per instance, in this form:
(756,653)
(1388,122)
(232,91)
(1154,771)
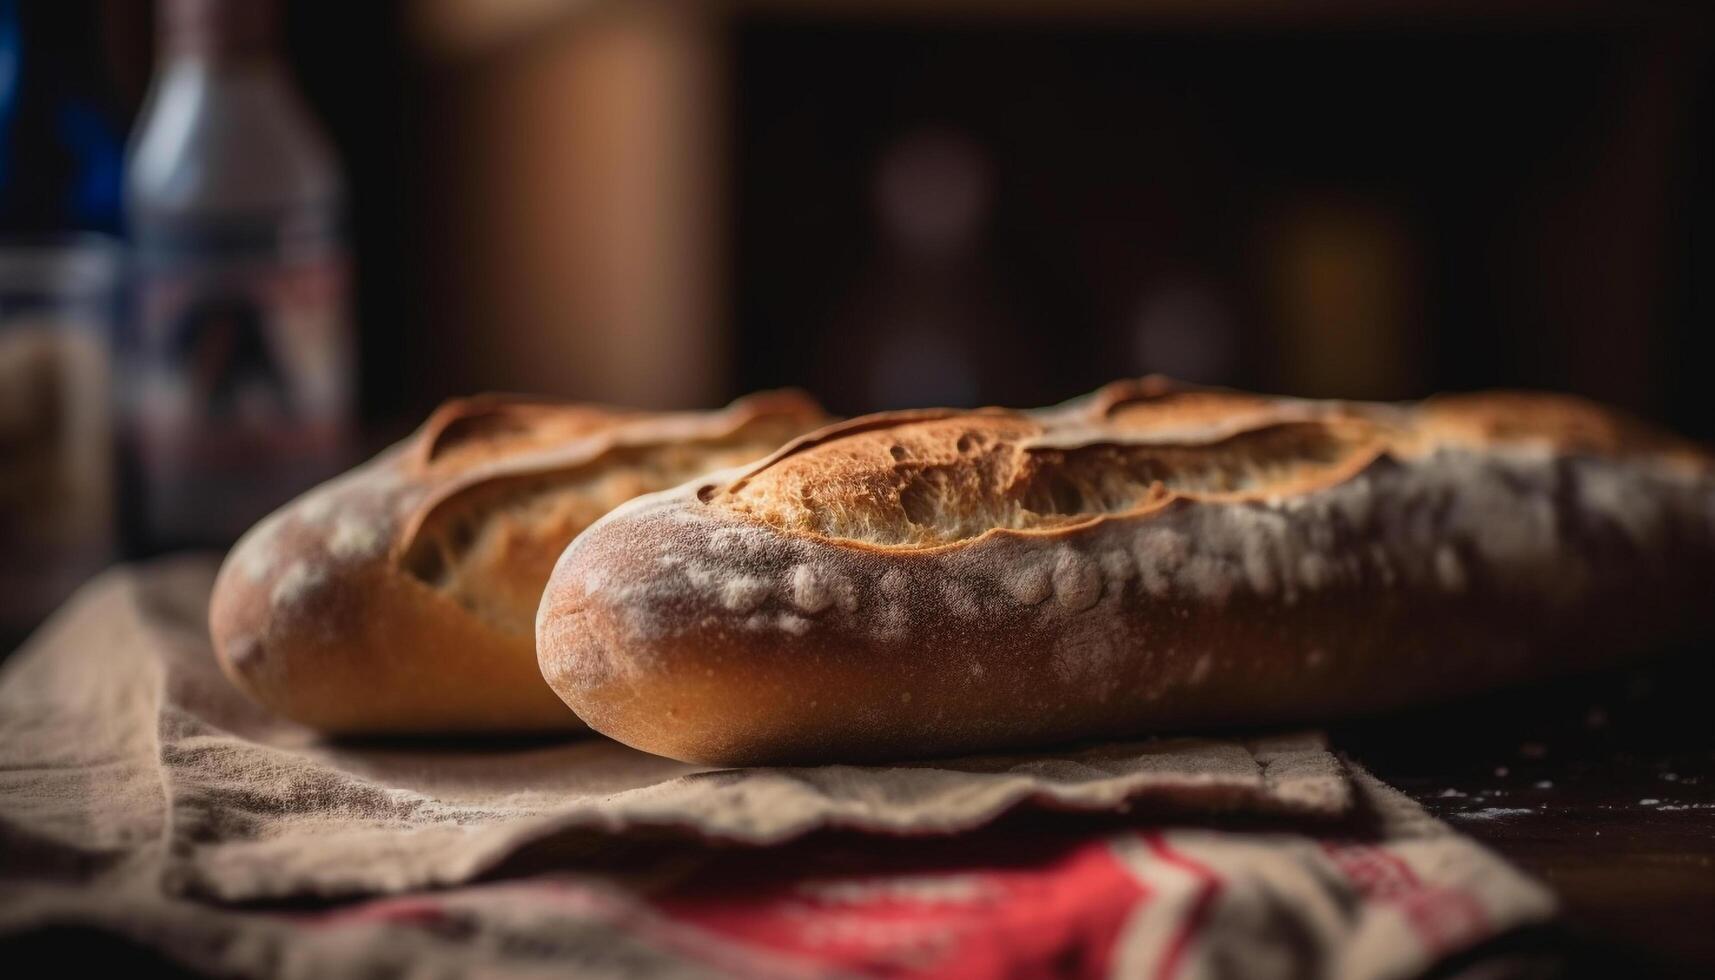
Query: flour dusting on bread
(438,549)
(1112,563)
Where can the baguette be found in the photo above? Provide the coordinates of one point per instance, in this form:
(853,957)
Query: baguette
(1150,558)
(401,597)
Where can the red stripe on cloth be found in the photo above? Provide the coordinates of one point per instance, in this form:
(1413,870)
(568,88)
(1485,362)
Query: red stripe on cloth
(1441,916)
(1446,917)
(1397,863)
(1197,913)
(997,906)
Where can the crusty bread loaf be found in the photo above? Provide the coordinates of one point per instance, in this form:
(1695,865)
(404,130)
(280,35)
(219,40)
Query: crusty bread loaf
(401,597)
(1148,558)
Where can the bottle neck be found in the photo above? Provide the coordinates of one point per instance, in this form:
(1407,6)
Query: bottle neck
(218,33)
(228,67)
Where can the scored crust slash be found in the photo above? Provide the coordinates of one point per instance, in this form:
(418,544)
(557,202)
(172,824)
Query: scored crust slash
(401,597)
(1151,557)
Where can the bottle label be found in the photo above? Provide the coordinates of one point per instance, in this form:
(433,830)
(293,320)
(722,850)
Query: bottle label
(242,383)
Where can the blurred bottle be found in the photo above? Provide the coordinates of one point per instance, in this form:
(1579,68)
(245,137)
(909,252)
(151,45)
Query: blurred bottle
(241,375)
(60,269)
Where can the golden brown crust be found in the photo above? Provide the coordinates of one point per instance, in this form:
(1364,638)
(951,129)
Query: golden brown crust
(1147,558)
(1561,423)
(400,598)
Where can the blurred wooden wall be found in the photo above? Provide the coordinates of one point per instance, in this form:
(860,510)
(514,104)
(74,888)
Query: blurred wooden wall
(576,245)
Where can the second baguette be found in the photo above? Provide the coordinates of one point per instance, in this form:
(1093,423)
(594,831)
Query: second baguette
(401,597)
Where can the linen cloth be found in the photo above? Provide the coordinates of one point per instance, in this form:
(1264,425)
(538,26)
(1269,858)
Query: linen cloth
(142,796)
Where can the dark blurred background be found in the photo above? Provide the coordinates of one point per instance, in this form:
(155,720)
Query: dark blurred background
(1011,202)
(966,201)
(1000,201)
(959,201)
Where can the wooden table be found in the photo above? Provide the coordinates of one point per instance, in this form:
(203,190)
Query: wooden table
(1603,787)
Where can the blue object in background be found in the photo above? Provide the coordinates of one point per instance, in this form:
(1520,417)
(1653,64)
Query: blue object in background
(61,145)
